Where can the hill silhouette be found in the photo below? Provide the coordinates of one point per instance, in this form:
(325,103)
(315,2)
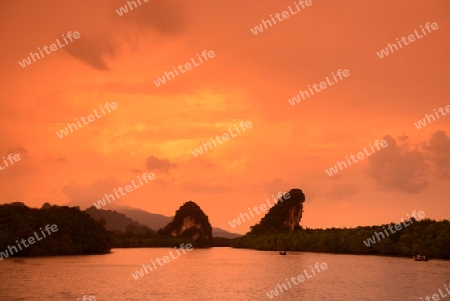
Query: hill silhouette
(77,232)
(119,217)
(151,220)
(190,222)
(279,230)
(285,215)
(117,222)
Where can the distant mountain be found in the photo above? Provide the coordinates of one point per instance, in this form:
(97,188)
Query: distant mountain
(115,221)
(151,220)
(218,232)
(158,221)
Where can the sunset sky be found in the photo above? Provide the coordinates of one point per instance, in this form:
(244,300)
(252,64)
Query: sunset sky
(154,129)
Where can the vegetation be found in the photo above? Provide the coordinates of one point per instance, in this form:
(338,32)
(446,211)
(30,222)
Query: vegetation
(428,237)
(158,241)
(148,240)
(284,216)
(142,221)
(190,225)
(114,221)
(190,222)
(77,232)
(275,232)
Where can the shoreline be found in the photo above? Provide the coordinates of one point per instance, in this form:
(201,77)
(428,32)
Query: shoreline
(329,253)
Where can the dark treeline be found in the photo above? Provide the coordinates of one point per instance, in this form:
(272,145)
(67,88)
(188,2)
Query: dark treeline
(151,240)
(428,237)
(77,232)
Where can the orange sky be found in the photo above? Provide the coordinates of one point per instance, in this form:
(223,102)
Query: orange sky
(250,78)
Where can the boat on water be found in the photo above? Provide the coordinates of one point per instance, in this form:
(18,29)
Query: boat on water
(420,258)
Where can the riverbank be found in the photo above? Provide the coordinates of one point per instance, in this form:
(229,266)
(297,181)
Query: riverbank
(428,237)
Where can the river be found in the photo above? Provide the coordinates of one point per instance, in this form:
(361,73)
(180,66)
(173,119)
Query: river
(221,274)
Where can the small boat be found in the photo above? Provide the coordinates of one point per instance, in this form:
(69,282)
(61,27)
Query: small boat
(282,252)
(420,258)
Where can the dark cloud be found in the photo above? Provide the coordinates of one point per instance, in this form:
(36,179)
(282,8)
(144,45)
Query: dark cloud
(164,165)
(93,50)
(399,167)
(403,138)
(18,150)
(166,17)
(103,32)
(403,167)
(25,157)
(438,148)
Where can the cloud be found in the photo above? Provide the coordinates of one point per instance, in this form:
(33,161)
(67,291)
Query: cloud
(92,51)
(409,168)
(164,165)
(18,150)
(25,158)
(399,167)
(86,195)
(61,160)
(25,166)
(403,138)
(439,153)
(205,188)
(276,185)
(187,86)
(339,192)
(166,17)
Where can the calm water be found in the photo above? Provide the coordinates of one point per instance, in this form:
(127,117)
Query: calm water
(220,274)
